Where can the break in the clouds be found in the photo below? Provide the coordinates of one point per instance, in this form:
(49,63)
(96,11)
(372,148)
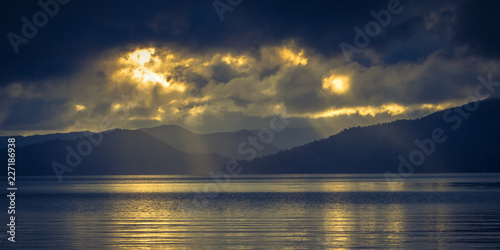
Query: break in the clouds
(146,64)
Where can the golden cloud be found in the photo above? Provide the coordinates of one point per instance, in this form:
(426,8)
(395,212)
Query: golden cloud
(179,86)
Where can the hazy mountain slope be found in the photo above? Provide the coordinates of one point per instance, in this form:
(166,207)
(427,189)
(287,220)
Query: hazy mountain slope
(34,139)
(293,137)
(473,147)
(223,143)
(120,152)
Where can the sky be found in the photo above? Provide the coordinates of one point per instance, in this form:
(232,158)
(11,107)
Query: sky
(227,65)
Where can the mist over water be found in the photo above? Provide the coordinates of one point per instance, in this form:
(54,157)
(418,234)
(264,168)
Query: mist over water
(449,211)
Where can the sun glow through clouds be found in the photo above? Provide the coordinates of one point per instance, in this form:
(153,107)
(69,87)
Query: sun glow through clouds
(296,58)
(143,66)
(79,107)
(191,86)
(336,84)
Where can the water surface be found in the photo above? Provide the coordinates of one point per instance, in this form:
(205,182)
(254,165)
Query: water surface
(447,211)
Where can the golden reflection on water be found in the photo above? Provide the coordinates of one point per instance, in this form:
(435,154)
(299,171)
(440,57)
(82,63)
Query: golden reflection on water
(141,221)
(142,224)
(270,213)
(338,221)
(238,184)
(136,222)
(395,216)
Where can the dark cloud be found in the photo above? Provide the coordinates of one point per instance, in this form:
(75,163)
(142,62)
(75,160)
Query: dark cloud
(477,27)
(224,72)
(37,114)
(430,53)
(83,29)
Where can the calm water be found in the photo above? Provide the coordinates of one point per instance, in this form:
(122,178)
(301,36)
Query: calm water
(256,212)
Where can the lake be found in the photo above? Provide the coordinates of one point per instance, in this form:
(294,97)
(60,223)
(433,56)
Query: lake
(426,211)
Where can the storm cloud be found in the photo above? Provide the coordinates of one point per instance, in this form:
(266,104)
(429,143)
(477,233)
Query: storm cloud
(175,62)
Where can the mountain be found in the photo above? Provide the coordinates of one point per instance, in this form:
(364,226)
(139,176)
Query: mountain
(223,143)
(461,139)
(293,137)
(120,152)
(22,141)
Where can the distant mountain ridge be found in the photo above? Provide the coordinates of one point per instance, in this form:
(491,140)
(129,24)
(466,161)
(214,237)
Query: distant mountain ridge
(221,143)
(472,144)
(467,141)
(34,139)
(119,152)
(166,149)
(293,137)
